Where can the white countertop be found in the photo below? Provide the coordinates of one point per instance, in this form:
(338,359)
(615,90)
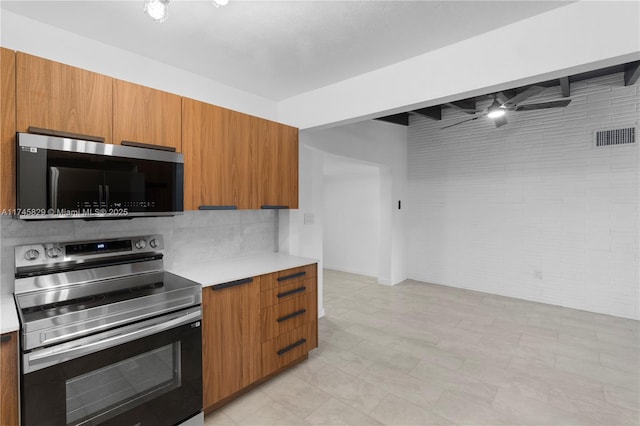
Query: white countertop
(8,314)
(218,272)
(205,273)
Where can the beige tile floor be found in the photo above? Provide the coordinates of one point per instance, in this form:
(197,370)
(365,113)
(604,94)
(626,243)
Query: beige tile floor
(422,354)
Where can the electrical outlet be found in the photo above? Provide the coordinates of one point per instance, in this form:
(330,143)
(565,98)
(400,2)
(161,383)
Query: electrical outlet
(537,274)
(309,218)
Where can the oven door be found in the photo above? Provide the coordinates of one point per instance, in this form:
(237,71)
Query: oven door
(148,373)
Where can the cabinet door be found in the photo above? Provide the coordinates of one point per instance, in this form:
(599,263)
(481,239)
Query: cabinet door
(231,342)
(59,97)
(9,379)
(278,165)
(142,114)
(218,148)
(7,128)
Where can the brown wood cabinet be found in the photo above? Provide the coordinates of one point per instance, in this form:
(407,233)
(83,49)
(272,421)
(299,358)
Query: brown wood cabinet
(289,320)
(218,148)
(254,327)
(55,96)
(9,379)
(289,347)
(231,345)
(7,128)
(142,114)
(278,165)
(232,160)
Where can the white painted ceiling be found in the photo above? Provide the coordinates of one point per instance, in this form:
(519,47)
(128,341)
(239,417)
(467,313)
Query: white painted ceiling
(278,49)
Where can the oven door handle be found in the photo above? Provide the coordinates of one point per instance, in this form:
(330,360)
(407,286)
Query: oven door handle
(70,350)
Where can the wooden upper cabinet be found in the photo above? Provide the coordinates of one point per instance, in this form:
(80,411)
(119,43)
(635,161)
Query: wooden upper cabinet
(59,97)
(278,165)
(142,114)
(218,149)
(7,128)
(231,342)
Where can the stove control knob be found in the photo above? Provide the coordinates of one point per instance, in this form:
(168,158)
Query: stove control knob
(54,252)
(31,254)
(140,244)
(154,243)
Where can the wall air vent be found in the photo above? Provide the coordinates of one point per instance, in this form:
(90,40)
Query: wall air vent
(615,137)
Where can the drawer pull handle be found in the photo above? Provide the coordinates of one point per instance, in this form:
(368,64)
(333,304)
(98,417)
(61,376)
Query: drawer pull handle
(292,315)
(292,276)
(272,207)
(218,208)
(290,292)
(291,346)
(232,284)
(5,338)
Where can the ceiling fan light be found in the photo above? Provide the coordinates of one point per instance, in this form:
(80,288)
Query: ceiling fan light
(496,112)
(158,10)
(219,3)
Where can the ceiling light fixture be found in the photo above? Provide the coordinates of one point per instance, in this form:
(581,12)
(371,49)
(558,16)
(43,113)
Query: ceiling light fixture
(495,110)
(158,10)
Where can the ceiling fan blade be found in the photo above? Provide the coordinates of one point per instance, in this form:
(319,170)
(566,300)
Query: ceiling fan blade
(460,122)
(502,98)
(526,94)
(468,110)
(544,105)
(500,121)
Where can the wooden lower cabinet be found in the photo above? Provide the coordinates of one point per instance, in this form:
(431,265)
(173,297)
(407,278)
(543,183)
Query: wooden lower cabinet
(9,379)
(288,347)
(254,327)
(231,342)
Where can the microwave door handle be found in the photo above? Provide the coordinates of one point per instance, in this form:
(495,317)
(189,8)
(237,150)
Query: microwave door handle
(106,191)
(99,196)
(54,175)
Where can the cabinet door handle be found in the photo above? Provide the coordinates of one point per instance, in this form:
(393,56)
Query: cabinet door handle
(273,207)
(291,346)
(290,292)
(5,338)
(218,208)
(292,315)
(292,276)
(61,134)
(232,284)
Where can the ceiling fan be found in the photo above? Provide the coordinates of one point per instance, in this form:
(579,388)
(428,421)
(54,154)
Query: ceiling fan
(501,104)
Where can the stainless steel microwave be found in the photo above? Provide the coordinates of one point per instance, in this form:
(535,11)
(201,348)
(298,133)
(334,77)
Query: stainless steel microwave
(62,178)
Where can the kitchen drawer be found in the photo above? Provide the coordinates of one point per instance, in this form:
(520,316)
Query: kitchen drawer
(288,276)
(287,292)
(288,347)
(286,316)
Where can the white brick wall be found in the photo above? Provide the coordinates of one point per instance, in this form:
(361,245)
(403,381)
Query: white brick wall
(531,210)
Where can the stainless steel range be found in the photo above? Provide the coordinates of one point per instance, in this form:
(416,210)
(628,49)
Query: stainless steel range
(107,336)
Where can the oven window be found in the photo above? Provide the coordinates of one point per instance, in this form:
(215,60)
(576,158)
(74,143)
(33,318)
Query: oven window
(113,389)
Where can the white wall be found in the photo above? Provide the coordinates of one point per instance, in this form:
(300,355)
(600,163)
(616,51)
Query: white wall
(27,35)
(581,36)
(531,210)
(374,142)
(300,238)
(351,217)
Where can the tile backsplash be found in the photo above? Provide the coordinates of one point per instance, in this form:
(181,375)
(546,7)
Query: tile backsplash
(192,237)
